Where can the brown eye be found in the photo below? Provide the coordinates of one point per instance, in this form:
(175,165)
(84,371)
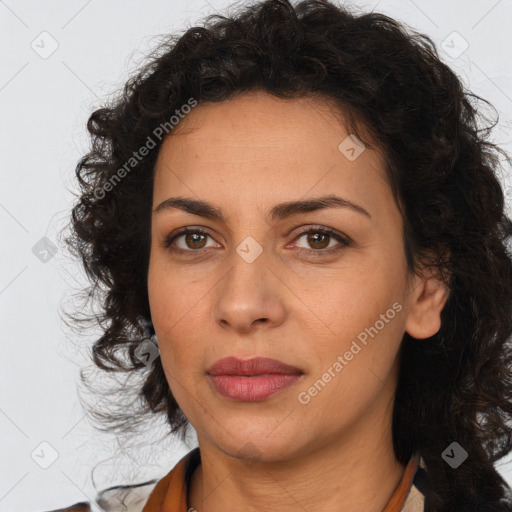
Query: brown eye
(194,240)
(318,241)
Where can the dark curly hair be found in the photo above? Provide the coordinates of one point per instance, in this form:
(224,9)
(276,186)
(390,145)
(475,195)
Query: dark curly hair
(396,95)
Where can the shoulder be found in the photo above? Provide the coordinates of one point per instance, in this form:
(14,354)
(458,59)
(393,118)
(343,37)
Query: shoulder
(77,507)
(131,497)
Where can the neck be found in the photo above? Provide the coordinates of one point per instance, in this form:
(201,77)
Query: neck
(356,473)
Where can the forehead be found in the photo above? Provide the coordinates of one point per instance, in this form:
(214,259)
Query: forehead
(258,118)
(260,148)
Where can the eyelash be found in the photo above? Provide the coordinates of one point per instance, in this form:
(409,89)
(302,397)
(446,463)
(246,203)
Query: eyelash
(344,241)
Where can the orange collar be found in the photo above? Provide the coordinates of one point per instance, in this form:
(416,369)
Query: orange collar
(170,493)
(399,497)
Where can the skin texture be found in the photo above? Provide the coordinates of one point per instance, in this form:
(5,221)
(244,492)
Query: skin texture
(245,155)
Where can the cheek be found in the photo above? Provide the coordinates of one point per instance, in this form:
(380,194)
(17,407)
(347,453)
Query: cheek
(174,328)
(355,299)
(176,310)
(363,323)
(171,294)
(356,365)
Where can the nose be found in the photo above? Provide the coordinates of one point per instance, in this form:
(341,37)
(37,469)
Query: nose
(249,294)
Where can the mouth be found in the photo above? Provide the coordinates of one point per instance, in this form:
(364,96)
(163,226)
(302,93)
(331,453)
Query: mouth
(252,380)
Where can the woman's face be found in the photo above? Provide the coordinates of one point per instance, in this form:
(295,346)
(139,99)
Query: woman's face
(332,305)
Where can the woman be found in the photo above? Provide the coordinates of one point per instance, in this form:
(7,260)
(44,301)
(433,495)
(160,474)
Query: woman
(298,205)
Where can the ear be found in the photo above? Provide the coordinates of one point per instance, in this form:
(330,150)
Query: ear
(425,305)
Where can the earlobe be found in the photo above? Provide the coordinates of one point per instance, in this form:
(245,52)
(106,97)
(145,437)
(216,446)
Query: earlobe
(425,306)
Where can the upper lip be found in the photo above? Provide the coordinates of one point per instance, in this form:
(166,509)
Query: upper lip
(254,366)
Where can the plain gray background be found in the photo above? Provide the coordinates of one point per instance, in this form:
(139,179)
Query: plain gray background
(45,100)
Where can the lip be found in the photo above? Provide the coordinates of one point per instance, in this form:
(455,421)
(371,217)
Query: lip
(251,380)
(254,366)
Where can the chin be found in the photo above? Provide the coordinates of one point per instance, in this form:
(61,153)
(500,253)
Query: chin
(255,445)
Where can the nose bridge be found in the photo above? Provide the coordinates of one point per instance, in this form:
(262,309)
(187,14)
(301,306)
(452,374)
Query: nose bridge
(247,292)
(247,271)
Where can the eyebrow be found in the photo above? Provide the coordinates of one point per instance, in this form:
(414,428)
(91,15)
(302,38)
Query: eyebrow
(278,212)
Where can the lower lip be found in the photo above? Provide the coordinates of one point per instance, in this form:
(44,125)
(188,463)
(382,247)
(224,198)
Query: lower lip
(252,388)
